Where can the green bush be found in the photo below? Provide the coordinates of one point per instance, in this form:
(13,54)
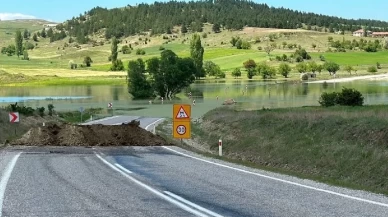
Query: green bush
(21,109)
(372,69)
(350,97)
(328,99)
(305,77)
(40,111)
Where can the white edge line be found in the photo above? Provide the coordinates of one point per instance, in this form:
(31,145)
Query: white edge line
(146,128)
(281,180)
(192,204)
(5,178)
(171,200)
(122,168)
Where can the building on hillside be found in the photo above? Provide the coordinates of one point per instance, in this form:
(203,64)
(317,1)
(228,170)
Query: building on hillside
(380,34)
(49,25)
(360,33)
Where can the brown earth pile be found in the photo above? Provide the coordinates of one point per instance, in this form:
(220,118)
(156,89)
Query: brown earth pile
(90,135)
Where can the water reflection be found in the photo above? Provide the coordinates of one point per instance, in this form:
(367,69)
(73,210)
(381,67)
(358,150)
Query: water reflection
(208,95)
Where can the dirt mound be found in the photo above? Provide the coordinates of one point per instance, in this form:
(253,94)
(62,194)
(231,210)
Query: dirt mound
(90,135)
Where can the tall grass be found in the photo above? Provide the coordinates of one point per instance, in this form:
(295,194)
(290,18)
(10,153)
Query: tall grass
(340,145)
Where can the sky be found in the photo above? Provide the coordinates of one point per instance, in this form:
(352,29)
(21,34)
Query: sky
(59,11)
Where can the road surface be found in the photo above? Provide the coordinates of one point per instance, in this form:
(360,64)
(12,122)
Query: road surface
(161,181)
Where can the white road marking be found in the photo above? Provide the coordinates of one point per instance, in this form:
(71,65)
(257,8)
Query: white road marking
(123,168)
(169,199)
(146,128)
(192,204)
(5,178)
(282,180)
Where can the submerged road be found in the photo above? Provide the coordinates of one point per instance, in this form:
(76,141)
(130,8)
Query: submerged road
(161,181)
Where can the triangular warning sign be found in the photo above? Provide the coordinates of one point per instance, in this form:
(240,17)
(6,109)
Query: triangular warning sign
(181,113)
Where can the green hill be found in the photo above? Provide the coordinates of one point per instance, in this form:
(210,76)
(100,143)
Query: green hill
(9,27)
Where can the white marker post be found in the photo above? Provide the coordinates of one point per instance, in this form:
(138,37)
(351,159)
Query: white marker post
(220,147)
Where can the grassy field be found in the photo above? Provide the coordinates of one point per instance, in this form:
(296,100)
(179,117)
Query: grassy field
(338,145)
(52,59)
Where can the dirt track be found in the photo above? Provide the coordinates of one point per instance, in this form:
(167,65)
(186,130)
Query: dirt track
(89,135)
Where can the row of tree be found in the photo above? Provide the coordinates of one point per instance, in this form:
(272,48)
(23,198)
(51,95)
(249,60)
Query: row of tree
(368,46)
(230,14)
(18,48)
(284,69)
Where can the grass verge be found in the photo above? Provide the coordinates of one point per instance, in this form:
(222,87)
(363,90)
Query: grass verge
(343,146)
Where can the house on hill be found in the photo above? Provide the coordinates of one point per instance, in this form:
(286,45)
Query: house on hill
(360,33)
(380,34)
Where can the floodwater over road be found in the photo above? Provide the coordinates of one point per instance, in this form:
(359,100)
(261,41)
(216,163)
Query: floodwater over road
(248,94)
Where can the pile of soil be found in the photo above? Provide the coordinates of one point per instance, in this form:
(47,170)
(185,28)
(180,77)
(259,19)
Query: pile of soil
(90,135)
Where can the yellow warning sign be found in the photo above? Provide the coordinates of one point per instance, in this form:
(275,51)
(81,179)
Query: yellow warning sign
(182,129)
(181,112)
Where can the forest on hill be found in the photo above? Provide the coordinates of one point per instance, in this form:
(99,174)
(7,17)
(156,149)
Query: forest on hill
(160,17)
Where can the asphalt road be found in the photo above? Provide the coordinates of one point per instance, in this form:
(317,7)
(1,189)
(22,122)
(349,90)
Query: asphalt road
(161,181)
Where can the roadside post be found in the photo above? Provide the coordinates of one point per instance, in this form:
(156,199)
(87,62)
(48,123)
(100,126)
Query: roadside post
(110,106)
(14,118)
(181,121)
(220,147)
(81,110)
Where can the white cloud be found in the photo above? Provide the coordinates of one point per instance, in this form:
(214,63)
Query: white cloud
(13,16)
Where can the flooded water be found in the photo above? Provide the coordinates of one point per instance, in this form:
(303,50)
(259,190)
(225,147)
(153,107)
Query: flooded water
(248,94)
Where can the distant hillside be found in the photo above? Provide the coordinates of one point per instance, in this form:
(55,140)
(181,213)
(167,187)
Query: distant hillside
(9,27)
(229,14)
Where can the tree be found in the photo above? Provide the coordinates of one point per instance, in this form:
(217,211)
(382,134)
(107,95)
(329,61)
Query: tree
(25,34)
(216,28)
(50,33)
(170,74)
(138,85)
(331,67)
(246,45)
(269,48)
(239,43)
(301,67)
(319,68)
(114,52)
(19,43)
(25,55)
(43,33)
(313,66)
(284,44)
(265,70)
(88,61)
(349,69)
(284,69)
(313,46)
(28,46)
(125,49)
(117,65)
(250,66)
(35,37)
(183,29)
(211,69)
(236,73)
(50,108)
(196,53)
(234,40)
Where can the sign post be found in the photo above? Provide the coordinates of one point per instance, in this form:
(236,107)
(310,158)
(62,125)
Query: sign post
(110,106)
(220,147)
(81,110)
(14,118)
(182,121)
